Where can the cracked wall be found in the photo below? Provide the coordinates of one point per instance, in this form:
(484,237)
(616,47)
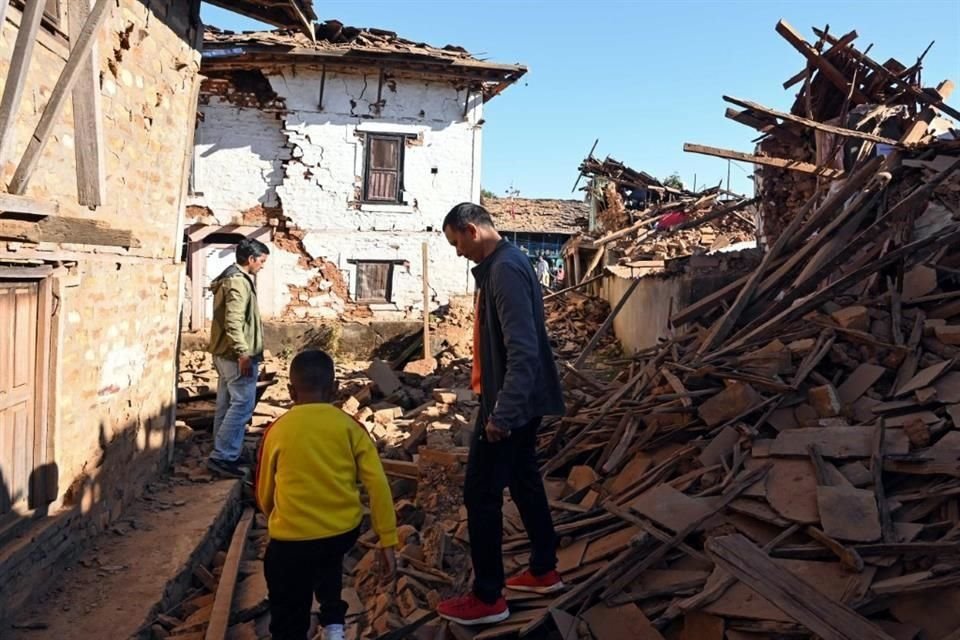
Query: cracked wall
(281,149)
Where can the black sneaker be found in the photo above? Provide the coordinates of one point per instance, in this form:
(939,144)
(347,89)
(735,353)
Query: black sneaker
(226,469)
(246,458)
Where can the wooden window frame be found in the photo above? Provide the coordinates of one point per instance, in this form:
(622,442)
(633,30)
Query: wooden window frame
(359,264)
(401,140)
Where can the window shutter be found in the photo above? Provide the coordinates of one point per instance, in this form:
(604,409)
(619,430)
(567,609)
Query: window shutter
(373,281)
(383,169)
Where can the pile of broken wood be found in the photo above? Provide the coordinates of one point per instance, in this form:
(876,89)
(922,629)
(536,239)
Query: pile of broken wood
(848,105)
(787,462)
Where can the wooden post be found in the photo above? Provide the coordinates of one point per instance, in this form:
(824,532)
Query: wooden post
(87,120)
(427,352)
(61,91)
(17,73)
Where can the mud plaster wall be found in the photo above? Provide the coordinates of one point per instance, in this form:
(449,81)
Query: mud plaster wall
(310,162)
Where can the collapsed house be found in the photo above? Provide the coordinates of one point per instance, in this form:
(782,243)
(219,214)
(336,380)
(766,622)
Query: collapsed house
(665,246)
(343,154)
(96,123)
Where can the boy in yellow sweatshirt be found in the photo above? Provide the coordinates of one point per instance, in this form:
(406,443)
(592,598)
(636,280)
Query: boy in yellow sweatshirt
(311,460)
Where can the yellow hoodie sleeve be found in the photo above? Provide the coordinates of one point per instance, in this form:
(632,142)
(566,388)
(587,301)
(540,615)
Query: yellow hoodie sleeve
(266,469)
(375,481)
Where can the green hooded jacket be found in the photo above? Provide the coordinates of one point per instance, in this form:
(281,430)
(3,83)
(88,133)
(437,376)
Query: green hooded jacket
(236,329)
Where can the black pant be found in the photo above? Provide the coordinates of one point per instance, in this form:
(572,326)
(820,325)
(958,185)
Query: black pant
(295,572)
(491,467)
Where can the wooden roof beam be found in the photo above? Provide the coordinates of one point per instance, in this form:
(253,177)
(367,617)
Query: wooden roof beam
(769,161)
(813,124)
(59,229)
(918,93)
(829,54)
(821,63)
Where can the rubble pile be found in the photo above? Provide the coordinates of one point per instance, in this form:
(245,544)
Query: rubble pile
(787,463)
(784,464)
(639,219)
(572,319)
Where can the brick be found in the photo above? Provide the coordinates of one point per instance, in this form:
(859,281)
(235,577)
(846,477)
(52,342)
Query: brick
(734,400)
(581,477)
(825,401)
(855,317)
(948,334)
(445,396)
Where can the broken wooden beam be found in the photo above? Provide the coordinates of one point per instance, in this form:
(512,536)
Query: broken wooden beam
(826,67)
(828,619)
(813,124)
(223,601)
(770,161)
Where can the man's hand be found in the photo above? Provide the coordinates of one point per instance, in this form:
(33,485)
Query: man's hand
(495,433)
(246,366)
(388,563)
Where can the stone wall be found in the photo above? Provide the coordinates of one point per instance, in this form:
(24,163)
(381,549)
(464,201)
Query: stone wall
(645,317)
(265,142)
(116,311)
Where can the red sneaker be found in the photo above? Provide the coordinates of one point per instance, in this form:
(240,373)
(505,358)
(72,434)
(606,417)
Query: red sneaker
(470,610)
(526,581)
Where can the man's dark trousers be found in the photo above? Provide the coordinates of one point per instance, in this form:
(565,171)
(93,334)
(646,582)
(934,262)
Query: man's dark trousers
(298,570)
(491,466)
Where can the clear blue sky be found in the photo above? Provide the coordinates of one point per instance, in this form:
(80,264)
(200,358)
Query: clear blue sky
(643,77)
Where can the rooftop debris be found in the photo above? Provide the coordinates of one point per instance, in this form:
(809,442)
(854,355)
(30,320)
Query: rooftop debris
(679,224)
(538,215)
(343,47)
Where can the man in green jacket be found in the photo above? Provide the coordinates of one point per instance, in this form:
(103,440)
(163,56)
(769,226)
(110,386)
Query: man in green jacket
(236,342)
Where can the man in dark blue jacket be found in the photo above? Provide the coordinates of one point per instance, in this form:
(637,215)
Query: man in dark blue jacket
(516,377)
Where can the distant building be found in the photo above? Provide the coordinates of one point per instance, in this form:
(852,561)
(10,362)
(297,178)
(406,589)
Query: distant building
(538,225)
(343,155)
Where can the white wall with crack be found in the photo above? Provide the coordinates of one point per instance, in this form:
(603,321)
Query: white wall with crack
(352,188)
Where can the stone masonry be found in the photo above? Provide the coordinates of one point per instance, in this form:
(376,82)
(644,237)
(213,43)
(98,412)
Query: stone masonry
(115,325)
(263,142)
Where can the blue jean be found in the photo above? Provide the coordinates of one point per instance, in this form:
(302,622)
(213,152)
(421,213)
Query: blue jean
(236,398)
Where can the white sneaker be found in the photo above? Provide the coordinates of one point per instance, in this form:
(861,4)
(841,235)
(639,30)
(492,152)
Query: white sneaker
(333,632)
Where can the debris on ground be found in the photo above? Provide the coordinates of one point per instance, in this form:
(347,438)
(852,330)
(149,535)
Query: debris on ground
(783,464)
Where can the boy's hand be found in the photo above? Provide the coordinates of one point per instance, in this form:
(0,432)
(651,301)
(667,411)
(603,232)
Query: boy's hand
(388,562)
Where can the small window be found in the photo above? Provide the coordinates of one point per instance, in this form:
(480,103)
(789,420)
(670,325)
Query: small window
(374,281)
(383,169)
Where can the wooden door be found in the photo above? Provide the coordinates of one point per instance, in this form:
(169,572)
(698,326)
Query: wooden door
(19,304)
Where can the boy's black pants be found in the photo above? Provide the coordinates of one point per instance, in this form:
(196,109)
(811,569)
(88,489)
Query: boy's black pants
(491,466)
(296,571)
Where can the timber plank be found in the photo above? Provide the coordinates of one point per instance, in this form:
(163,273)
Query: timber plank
(824,616)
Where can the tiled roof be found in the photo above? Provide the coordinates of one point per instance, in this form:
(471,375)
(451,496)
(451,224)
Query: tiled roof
(339,44)
(536,215)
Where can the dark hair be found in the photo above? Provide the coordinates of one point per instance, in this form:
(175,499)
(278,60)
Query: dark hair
(312,371)
(250,248)
(467,213)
